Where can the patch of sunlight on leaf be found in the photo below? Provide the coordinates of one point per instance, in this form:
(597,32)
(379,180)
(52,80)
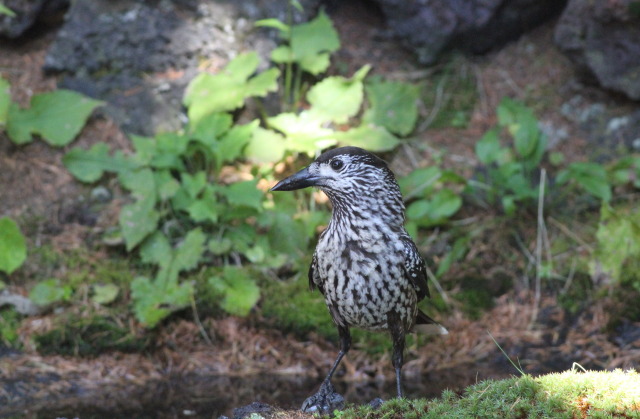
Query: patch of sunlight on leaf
(265,146)
(368,136)
(618,238)
(304,132)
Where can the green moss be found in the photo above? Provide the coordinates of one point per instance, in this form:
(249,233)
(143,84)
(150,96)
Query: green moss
(9,323)
(89,336)
(293,308)
(566,395)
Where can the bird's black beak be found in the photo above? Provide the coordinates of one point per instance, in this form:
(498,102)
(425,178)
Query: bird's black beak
(302,179)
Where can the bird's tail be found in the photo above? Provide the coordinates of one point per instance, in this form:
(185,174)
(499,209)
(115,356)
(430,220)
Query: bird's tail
(425,324)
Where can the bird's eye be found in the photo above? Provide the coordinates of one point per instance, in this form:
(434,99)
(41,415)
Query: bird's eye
(336,164)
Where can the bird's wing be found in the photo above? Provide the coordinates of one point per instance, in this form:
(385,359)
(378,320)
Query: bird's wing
(313,274)
(415,267)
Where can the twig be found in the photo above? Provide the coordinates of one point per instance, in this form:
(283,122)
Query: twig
(571,234)
(541,241)
(436,283)
(196,317)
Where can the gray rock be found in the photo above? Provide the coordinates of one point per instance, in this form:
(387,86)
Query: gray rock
(27,12)
(139,56)
(430,26)
(602,39)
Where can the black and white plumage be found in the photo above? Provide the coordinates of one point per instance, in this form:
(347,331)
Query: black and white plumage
(365,264)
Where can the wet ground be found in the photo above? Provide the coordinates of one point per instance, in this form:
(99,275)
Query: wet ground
(207,397)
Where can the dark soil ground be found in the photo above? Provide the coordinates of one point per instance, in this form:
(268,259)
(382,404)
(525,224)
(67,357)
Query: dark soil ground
(36,189)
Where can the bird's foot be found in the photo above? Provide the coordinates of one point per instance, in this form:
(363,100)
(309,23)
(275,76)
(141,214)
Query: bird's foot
(325,401)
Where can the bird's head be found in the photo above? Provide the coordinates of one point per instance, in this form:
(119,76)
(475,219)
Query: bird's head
(351,177)
(342,171)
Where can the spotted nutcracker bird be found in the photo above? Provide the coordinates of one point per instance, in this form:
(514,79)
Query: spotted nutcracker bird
(365,264)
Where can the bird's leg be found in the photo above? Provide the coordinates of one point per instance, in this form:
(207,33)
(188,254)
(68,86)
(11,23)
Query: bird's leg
(396,328)
(326,400)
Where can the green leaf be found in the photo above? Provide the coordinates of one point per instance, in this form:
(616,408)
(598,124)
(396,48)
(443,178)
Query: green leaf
(89,165)
(5,100)
(48,292)
(265,146)
(418,209)
(313,38)
(239,290)
(141,183)
(394,105)
(206,208)
(371,137)
(156,249)
(336,98)
(590,176)
(137,221)
(283,28)
(209,94)
(444,204)
(105,294)
(152,303)
(56,116)
(210,129)
(13,248)
(230,146)
(304,132)
(488,147)
(6,11)
(194,184)
(419,182)
(244,194)
(189,251)
(166,185)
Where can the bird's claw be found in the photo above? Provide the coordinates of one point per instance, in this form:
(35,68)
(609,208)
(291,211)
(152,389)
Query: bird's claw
(325,401)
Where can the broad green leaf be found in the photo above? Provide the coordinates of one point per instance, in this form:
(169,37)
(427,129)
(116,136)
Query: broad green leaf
(590,176)
(336,99)
(194,184)
(5,100)
(304,132)
(239,290)
(220,247)
(230,146)
(56,116)
(488,147)
(312,38)
(315,64)
(166,185)
(89,165)
(368,136)
(48,292)
(209,94)
(205,209)
(105,294)
(618,238)
(444,204)
(141,183)
(137,221)
(282,54)
(418,209)
(419,182)
(394,105)
(210,129)
(156,249)
(13,248)
(265,146)
(190,250)
(244,194)
(152,304)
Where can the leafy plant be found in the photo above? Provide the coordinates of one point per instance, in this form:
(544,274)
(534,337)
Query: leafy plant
(48,292)
(56,116)
(4,10)
(510,172)
(13,248)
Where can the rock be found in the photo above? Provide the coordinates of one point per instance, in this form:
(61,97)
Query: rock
(27,13)
(255,408)
(139,56)
(602,39)
(430,27)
